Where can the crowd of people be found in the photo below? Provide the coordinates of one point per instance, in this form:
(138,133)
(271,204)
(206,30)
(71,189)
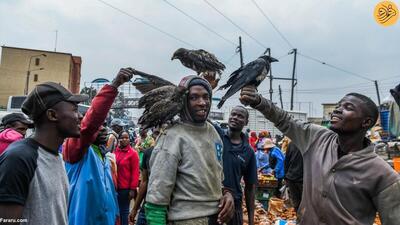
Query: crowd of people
(77,169)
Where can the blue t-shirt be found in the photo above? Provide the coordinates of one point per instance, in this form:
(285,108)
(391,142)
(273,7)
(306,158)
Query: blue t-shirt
(238,161)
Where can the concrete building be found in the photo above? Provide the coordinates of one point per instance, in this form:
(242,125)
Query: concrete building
(22,69)
(327,110)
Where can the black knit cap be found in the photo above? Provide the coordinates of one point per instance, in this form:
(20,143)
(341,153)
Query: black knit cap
(193,80)
(46,95)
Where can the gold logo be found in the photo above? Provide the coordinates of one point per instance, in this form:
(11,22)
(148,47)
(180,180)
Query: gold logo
(386,13)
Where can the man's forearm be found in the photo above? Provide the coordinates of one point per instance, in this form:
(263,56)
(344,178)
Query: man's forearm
(250,192)
(141,194)
(300,132)
(74,148)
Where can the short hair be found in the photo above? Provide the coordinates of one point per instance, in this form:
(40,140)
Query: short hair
(372,109)
(244,108)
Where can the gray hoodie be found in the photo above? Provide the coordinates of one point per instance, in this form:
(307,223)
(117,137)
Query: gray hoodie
(186,171)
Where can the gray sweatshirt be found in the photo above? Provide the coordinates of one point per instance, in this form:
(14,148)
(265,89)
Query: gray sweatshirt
(349,190)
(186,172)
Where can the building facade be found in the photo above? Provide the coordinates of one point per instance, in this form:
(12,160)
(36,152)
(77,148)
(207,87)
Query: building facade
(22,69)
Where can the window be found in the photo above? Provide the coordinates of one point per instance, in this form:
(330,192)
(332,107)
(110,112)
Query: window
(35,77)
(37,62)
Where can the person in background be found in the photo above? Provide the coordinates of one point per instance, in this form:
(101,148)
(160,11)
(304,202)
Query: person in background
(145,172)
(262,136)
(33,182)
(253,140)
(144,141)
(132,136)
(239,161)
(15,127)
(344,181)
(92,194)
(294,175)
(117,126)
(276,161)
(128,175)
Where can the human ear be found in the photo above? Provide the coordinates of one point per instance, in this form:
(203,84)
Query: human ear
(367,123)
(51,115)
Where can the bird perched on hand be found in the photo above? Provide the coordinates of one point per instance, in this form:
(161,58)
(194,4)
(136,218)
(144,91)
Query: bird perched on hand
(161,100)
(204,63)
(252,73)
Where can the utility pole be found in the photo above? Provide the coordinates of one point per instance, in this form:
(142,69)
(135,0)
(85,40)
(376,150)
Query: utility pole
(240,51)
(270,75)
(55,44)
(280,96)
(377,93)
(293,74)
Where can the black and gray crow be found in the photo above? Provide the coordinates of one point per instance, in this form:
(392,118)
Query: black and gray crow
(204,63)
(252,73)
(161,100)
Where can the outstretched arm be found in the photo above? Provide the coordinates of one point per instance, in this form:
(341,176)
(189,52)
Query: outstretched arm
(75,148)
(300,132)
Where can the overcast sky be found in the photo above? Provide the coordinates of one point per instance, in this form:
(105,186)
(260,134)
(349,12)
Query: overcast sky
(340,33)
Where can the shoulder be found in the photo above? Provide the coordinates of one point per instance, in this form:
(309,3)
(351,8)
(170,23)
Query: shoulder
(24,150)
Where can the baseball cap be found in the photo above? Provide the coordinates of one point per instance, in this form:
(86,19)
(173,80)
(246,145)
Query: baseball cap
(117,122)
(46,95)
(13,117)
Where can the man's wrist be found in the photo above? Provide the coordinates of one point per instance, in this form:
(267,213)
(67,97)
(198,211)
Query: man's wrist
(258,102)
(115,84)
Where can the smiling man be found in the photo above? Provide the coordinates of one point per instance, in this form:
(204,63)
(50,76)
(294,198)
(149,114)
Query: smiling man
(345,182)
(239,162)
(33,183)
(186,172)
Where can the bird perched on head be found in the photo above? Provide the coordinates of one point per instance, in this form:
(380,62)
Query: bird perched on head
(252,73)
(204,63)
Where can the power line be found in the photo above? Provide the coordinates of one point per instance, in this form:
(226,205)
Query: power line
(273,25)
(336,67)
(237,26)
(200,23)
(146,23)
(230,58)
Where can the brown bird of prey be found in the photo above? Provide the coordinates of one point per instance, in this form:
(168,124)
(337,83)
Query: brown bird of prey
(252,73)
(161,100)
(204,63)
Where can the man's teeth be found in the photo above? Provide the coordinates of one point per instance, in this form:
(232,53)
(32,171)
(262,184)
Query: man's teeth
(334,118)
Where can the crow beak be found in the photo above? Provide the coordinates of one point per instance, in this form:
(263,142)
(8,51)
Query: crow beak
(173,57)
(273,59)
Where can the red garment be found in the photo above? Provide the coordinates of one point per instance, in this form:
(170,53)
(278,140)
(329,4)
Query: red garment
(253,140)
(7,137)
(75,148)
(127,167)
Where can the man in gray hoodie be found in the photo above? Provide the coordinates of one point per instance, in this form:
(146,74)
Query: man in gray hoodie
(345,182)
(186,172)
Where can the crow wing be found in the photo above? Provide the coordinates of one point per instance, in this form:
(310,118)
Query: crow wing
(148,82)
